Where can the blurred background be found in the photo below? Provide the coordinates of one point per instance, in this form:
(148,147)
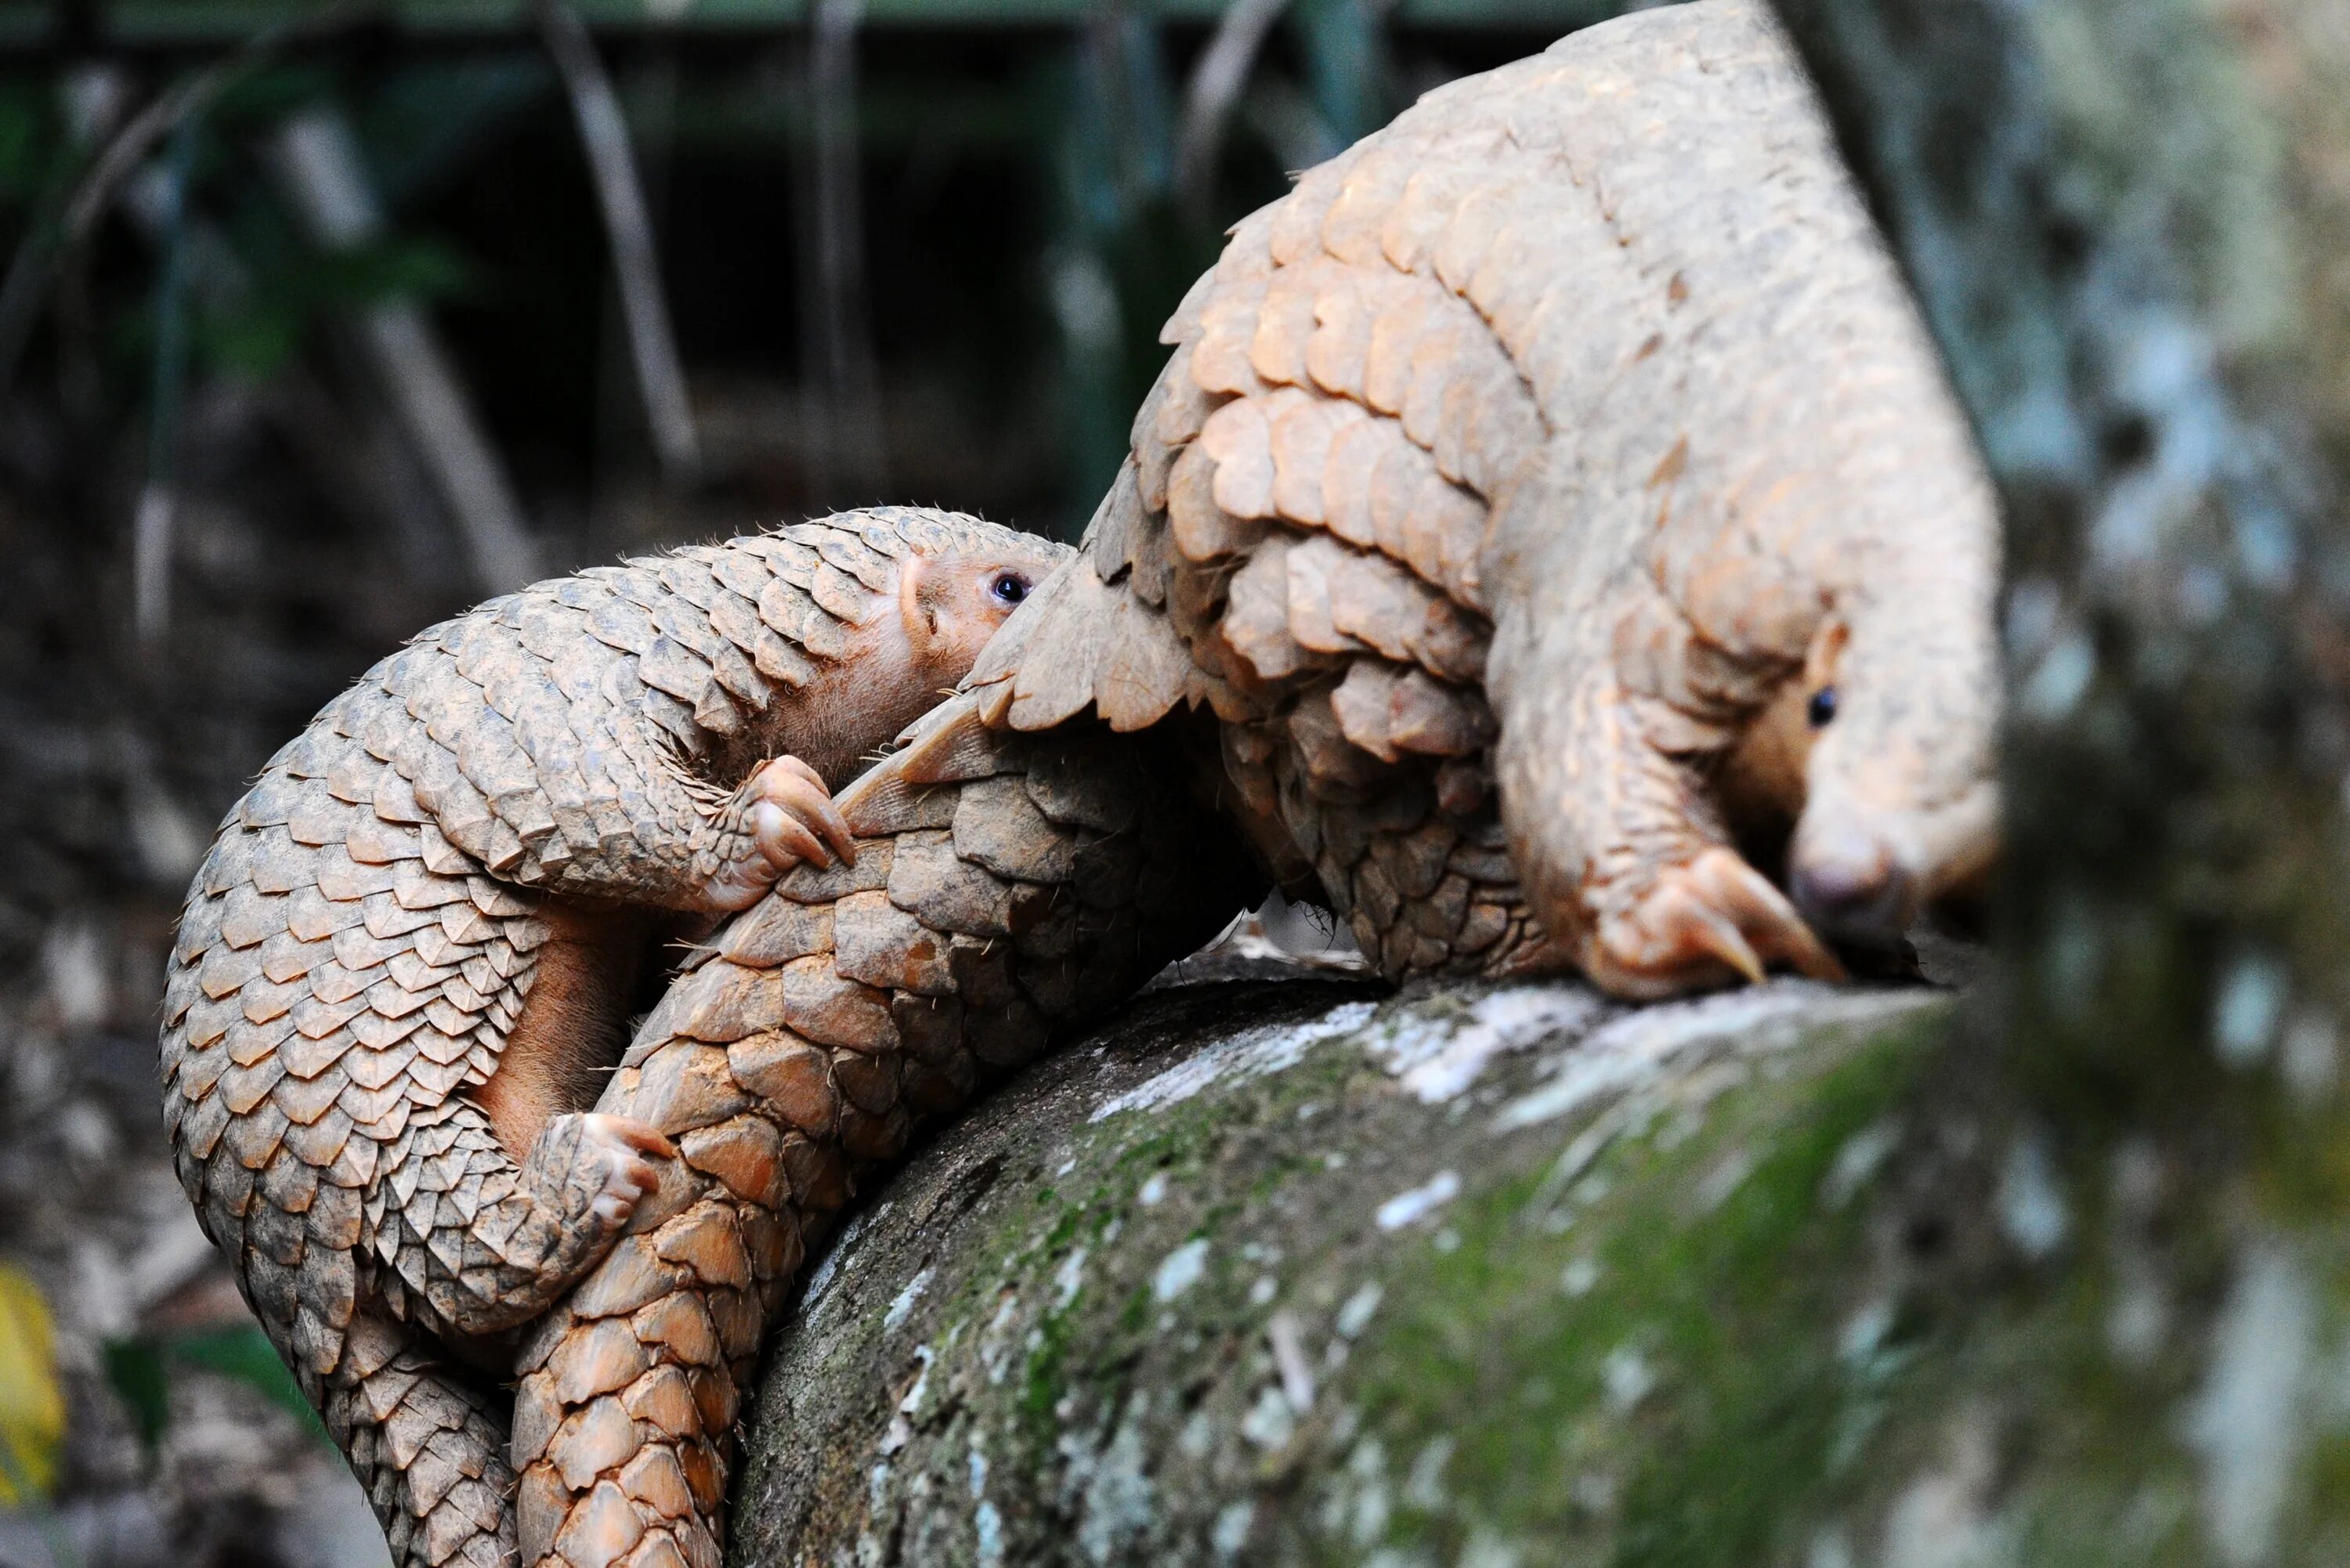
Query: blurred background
(320,322)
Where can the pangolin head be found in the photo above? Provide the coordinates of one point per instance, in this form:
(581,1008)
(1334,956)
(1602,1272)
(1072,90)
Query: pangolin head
(1901,696)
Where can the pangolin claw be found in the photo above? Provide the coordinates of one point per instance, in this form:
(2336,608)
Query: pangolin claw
(1707,920)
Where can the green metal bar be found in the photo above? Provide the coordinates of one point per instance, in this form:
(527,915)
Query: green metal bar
(27,24)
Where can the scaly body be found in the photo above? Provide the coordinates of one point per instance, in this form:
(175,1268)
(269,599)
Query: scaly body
(1518,486)
(404,967)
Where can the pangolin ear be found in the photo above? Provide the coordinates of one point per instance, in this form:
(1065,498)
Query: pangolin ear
(915,613)
(1826,652)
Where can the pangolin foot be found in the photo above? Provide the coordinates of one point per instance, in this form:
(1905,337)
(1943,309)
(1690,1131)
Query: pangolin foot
(615,1147)
(1708,921)
(791,818)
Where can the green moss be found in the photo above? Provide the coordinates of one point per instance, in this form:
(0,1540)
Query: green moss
(1695,1395)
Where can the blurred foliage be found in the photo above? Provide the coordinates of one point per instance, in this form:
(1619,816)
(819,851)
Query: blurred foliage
(32,1405)
(1067,137)
(139,1370)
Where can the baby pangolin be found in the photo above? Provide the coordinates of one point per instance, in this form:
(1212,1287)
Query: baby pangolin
(403,971)
(1553,480)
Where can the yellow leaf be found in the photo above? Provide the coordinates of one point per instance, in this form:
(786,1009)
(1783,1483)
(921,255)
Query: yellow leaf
(32,1406)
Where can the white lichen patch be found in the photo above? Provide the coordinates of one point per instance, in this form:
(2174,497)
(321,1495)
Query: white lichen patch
(2311,1060)
(1627,1376)
(1179,1270)
(1069,1278)
(910,1407)
(1250,1054)
(1865,1331)
(1287,1339)
(1361,1502)
(1196,1439)
(1855,1163)
(1110,1487)
(1414,1204)
(1727,1176)
(1436,1055)
(2247,1421)
(1355,1314)
(2032,1208)
(1487,1550)
(1943,1517)
(903,1301)
(1636,1048)
(987,1531)
(1230,1534)
(2251,1003)
(1423,1485)
(827,1268)
(1270,1422)
(995,1339)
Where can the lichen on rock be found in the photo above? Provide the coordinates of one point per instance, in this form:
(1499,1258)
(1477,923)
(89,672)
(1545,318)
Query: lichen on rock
(1297,1272)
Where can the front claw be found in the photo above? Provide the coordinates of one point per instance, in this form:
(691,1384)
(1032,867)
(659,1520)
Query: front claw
(782,816)
(1710,921)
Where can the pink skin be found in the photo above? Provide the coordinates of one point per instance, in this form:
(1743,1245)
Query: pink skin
(629,1173)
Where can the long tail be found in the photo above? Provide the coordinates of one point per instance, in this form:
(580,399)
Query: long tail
(1006,886)
(429,1444)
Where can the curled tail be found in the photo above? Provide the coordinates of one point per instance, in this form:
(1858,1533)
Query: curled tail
(428,1442)
(1006,886)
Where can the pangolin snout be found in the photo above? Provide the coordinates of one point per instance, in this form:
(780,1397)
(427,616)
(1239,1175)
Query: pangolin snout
(1854,885)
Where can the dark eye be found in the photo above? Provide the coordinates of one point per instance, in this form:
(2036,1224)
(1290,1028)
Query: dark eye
(1822,709)
(1008,589)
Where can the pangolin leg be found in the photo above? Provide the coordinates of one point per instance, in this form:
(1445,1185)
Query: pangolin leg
(427,1443)
(485,1244)
(1626,850)
(1697,919)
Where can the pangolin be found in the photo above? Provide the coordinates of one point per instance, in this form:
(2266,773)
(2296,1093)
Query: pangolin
(403,971)
(1009,886)
(1544,490)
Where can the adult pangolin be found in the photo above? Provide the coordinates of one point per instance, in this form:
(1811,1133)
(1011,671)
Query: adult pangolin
(1547,490)
(404,969)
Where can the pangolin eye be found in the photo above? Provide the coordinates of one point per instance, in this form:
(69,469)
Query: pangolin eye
(1008,589)
(1822,709)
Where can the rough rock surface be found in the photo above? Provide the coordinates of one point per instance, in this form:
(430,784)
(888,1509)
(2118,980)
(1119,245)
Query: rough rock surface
(1306,1272)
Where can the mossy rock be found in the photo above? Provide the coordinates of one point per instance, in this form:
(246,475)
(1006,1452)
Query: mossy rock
(1296,1273)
